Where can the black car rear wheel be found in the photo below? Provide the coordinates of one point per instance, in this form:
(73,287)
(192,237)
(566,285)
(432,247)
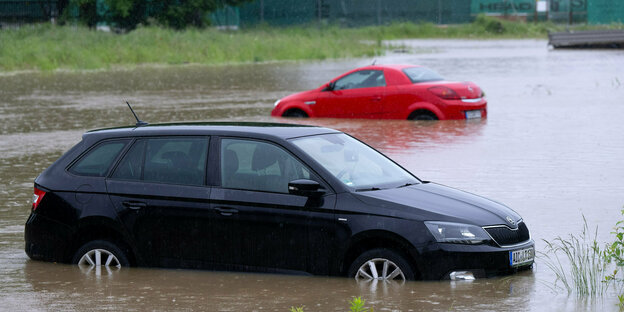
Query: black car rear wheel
(381,264)
(100,253)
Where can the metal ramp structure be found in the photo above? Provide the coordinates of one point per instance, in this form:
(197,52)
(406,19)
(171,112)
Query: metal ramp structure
(587,39)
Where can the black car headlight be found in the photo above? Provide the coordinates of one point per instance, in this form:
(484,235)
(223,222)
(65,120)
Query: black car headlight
(457,233)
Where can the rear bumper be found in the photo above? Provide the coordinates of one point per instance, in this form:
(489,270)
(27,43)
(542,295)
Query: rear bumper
(47,239)
(457,109)
(438,260)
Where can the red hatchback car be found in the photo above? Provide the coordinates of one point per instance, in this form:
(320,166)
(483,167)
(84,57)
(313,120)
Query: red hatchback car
(387,92)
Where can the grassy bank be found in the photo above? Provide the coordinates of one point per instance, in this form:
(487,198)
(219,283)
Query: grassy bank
(47,47)
(50,47)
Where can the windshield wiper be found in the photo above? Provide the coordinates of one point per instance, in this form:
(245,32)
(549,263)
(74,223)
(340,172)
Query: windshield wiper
(368,189)
(406,184)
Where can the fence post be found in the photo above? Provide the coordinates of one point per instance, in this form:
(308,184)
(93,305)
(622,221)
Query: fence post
(570,12)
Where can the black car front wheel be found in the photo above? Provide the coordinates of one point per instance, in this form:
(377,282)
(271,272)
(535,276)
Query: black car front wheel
(100,253)
(381,264)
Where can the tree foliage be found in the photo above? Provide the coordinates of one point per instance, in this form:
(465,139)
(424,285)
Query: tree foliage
(127,14)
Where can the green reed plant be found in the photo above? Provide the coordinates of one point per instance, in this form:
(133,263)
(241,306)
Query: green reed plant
(615,253)
(355,305)
(586,273)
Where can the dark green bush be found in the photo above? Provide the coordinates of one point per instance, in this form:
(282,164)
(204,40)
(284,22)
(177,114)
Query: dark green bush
(128,14)
(490,24)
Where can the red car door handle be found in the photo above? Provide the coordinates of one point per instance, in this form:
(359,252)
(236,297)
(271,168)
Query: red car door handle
(376,98)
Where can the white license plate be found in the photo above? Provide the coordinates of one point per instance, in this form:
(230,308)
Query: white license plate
(521,257)
(471,114)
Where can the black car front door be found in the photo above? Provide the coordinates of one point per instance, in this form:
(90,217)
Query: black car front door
(276,231)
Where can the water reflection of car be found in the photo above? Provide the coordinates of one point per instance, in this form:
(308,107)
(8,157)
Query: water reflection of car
(387,92)
(263,197)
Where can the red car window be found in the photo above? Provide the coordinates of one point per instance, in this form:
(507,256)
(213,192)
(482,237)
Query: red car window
(361,79)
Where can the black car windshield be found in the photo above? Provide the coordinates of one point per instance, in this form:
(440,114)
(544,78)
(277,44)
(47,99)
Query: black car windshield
(421,74)
(354,163)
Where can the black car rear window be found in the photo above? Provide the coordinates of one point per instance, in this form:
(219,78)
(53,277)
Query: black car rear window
(421,74)
(97,161)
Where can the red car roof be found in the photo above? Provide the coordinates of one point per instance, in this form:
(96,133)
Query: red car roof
(389,66)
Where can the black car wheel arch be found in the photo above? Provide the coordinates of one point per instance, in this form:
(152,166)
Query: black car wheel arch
(100,252)
(382,263)
(101,229)
(375,240)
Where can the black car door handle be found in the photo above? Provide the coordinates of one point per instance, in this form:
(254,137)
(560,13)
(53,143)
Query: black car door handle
(226,211)
(134,205)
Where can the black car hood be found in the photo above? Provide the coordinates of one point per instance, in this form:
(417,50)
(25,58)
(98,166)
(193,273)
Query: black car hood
(435,202)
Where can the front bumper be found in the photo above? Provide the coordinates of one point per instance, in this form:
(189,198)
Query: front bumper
(437,260)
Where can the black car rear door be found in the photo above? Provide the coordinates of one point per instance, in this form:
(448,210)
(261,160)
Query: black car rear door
(159,191)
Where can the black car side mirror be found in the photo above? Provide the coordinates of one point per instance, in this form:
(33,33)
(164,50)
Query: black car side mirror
(304,187)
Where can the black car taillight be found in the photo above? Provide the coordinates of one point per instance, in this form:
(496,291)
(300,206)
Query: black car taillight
(37,197)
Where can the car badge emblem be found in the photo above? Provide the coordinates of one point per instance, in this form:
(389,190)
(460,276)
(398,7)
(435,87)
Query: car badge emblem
(510,220)
(470,89)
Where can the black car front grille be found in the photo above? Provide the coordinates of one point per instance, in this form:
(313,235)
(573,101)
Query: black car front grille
(504,236)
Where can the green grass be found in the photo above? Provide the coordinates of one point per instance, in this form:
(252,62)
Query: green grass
(48,47)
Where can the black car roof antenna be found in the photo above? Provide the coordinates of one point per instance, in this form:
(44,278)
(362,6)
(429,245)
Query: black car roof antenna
(374,61)
(139,122)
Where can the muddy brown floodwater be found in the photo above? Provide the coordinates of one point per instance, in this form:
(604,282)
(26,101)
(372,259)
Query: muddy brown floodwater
(552,149)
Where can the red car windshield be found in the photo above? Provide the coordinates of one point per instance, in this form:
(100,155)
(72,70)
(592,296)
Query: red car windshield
(421,74)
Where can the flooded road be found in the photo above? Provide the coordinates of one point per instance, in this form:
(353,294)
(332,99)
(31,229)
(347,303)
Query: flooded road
(552,149)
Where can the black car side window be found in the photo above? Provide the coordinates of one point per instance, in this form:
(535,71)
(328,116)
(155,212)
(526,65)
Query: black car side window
(97,161)
(131,166)
(166,160)
(259,166)
(361,79)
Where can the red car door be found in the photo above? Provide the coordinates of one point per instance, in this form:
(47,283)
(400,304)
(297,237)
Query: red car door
(359,94)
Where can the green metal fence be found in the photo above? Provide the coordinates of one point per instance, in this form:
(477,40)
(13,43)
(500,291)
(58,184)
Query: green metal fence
(228,17)
(278,12)
(377,12)
(13,11)
(354,12)
(605,11)
(560,11)
(358,12)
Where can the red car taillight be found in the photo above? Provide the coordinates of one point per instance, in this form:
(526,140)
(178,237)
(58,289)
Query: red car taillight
(445,93)
(37,197)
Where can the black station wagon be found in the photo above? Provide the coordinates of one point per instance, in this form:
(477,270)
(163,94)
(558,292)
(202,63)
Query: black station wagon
(264,198)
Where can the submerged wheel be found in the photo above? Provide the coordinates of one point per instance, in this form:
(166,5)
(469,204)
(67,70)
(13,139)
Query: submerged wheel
(100,253)
(297,113)
(381,264)
(422,115)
